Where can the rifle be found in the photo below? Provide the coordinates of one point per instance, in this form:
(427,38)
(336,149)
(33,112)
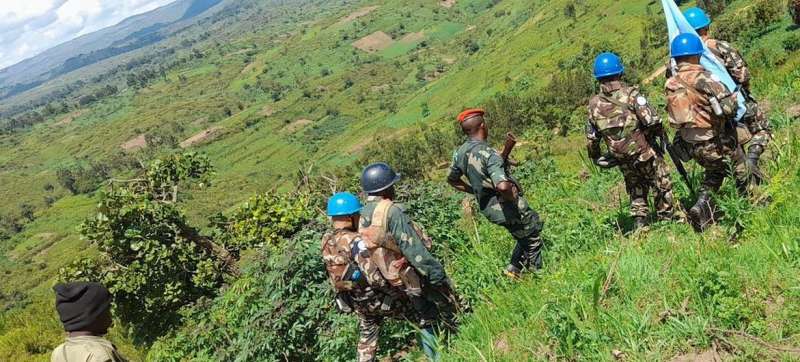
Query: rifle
(508,147)
(669,148)
(511,141)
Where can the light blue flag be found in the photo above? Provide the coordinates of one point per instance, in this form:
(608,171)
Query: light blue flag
(677,25)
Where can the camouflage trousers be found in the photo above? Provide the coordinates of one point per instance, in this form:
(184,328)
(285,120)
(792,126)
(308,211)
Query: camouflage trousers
(524,225)
(369,327)
(719,160)
(758,125)
(640,177)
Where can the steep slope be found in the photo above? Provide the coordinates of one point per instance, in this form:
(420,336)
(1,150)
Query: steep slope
(283,88)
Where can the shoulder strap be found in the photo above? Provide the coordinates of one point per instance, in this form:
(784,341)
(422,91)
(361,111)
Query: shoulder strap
(617,102)
(380,215)
(688,87)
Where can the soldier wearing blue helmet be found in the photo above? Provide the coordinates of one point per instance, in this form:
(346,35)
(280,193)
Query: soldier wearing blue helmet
(621,117)
(700,109)
(756,132)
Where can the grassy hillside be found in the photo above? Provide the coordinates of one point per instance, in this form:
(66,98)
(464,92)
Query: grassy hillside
(282,89)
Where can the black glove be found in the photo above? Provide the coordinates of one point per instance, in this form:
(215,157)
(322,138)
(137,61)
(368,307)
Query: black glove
(606,162)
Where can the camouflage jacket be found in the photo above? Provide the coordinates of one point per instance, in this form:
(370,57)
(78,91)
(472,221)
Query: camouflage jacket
(483,167)
(620,115)
(689,103)
(732,60)
(409,241)
(371,294)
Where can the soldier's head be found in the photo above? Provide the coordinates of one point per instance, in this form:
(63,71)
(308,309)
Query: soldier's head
(344,209)
(608,67)
(687,48)
(472,124)
(378,179)
(698,19)
(84,307)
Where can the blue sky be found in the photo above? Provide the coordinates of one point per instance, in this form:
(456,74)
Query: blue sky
(28,27)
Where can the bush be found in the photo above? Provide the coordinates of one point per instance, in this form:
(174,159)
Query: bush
(416,154)
(265,219)
(747,23)
(78,179)
(280,310)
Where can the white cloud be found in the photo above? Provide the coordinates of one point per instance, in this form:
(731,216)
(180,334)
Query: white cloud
(28,27)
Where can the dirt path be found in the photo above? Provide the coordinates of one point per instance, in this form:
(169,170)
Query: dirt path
(374,42)
(201,137)
(135,143)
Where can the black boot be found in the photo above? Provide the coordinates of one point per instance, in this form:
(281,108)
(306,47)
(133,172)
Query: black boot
(701,214)
(753,156)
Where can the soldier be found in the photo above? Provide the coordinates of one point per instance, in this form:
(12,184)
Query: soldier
(381,214)
(756,122)
(85,312)
(702,110)
(623,118)
(499,196)
(359,284)
(794,11)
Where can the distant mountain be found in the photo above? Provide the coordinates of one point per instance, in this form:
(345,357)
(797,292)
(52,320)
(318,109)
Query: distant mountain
(130,34)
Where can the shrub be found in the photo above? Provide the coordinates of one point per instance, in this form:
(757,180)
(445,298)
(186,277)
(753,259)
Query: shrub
(153,261)
(265,219)
(748,22)
(280,310)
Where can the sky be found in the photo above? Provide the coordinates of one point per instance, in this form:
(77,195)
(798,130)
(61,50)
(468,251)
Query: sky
(29,27)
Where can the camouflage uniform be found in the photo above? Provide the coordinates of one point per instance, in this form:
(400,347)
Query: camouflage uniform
(484,170)
(702,135)
(372,299)
(435,303)
(624,119)
(756,121)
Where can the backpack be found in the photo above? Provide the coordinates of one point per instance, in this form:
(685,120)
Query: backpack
(386,255)
(348,263)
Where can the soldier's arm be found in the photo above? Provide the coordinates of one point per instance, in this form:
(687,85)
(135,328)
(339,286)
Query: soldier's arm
(455,177)
(592,139)
(737,67)
(494,167)
(413,248)
(647,115)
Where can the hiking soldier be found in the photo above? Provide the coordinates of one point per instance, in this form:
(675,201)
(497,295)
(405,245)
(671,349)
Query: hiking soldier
(756,132)
(499,196)
(622,117)
(702,110)
(357,273)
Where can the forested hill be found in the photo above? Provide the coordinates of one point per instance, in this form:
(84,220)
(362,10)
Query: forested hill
(255,111)
(131,34)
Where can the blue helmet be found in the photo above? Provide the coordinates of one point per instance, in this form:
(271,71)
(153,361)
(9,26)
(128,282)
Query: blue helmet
(343,204)
(697,18)
(686,44)
(607,64)
(378,177)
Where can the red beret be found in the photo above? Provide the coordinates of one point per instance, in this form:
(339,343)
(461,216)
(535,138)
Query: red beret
(469,114)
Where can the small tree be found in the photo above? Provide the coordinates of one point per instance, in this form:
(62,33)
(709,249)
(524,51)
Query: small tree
(153,261)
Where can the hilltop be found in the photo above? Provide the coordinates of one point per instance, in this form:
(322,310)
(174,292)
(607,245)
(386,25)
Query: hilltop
(284,91)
